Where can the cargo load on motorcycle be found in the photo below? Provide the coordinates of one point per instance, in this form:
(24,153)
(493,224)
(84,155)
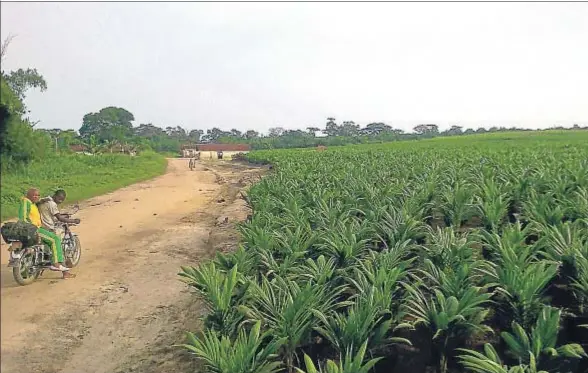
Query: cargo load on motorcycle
(20,231)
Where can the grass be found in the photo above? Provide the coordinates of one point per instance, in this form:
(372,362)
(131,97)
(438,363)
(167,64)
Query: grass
(81,176)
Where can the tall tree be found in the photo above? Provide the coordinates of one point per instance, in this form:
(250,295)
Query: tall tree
(276,131)
(148,130)
(18,141)
(22,80)
(195,135)
(331,128)
(427,129)
(349,128)
(236,133)
(313,130)
(455,130)
(214,134)
(251,134)
(374,129)
(177,133)
(110,123)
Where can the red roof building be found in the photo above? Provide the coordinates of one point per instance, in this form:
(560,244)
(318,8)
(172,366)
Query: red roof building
(223,147)
(78,148)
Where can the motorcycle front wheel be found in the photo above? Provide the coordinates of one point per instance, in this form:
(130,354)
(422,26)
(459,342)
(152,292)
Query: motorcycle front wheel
(23,271)
(73,257)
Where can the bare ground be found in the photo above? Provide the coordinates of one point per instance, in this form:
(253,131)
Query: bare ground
(126,308)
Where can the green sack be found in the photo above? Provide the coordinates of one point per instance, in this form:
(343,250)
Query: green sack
(20,231)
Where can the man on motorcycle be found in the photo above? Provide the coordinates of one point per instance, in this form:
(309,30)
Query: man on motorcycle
(50,216)
(28,212)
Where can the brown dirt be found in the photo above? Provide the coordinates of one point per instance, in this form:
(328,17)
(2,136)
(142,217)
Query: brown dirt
(126,308)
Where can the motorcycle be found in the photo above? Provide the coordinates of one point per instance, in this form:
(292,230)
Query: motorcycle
(28,263)
(193,160)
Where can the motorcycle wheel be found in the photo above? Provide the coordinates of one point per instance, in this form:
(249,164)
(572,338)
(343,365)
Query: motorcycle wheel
(22,272)
(76,253)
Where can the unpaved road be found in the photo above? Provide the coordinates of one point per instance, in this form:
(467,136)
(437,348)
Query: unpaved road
(126,308)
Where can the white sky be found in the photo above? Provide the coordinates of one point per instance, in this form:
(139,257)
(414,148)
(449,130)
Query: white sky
(255,65)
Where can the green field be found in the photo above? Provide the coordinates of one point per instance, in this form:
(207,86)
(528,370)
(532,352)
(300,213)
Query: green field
(80,175)
(464,254)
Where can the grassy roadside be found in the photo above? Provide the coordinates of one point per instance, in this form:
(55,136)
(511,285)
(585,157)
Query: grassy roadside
(80,175)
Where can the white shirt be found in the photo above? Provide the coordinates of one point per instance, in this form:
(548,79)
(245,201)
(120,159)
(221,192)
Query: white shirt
(48,211)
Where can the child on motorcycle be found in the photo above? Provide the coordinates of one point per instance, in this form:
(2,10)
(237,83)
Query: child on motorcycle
(28,212)
(50,216)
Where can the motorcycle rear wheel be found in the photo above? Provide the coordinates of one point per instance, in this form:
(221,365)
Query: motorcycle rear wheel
(22,270)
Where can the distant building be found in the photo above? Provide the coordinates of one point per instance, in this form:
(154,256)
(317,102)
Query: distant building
(78,148)
(211,151)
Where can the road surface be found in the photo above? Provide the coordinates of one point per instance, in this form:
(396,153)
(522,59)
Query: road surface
(126,307)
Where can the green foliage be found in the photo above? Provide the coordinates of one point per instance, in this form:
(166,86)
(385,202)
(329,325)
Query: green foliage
(287,310)
(490,362)
(348,364)
(530,350)
(19,142)
(222,293)
(541,342)
(250,352)
(435,243)
(20,81)
(110,123)
(80,175)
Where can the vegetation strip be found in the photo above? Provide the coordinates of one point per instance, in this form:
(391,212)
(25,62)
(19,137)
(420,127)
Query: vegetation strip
(80,175)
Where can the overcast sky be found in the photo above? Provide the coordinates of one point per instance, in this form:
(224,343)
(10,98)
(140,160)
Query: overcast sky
(256,66)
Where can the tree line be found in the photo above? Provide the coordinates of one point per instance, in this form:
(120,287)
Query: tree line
(111,129)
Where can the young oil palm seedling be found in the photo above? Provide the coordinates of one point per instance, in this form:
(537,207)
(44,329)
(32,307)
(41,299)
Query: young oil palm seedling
(397,226)
(419,201)
(320,271)
(293,213)
(347,364)
(543,209)
(577,205)
(519,183)
(580,284)
(328,213)
(256,235)
(493,209)
(448,249)
(364,320)
(246,260)
(490,362)
(453,281)
(286,309)
(250,352)
(521,290)
(541,342)
(492,203)
(509,247)
(457,204)
(450,320)
(221,291)
(344,243)
(380,277)
(292,246)
(565,243)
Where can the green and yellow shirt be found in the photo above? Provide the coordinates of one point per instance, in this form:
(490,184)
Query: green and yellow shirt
(28,211)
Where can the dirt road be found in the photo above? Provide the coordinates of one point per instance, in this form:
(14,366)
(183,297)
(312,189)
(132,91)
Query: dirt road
(126,307)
